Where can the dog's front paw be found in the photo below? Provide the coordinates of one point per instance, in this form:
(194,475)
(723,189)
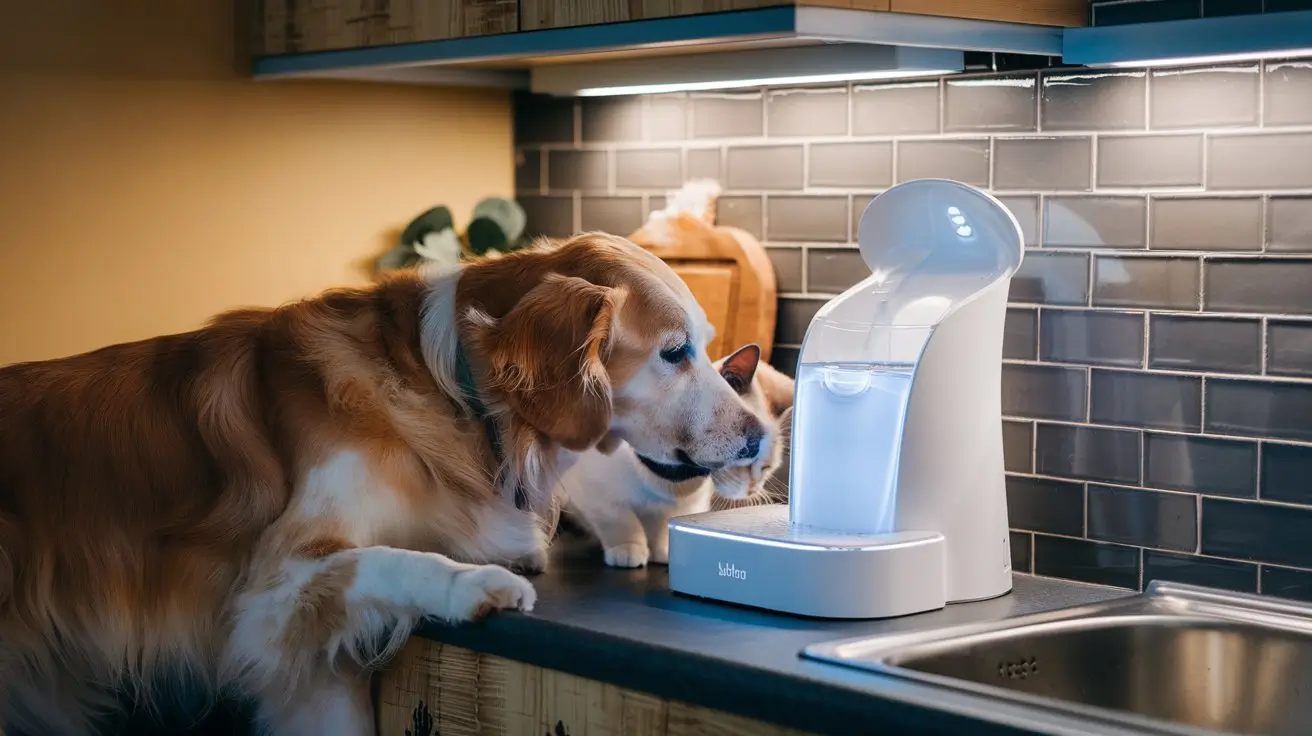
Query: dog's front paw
(479,591)
(629,554)
(660,553)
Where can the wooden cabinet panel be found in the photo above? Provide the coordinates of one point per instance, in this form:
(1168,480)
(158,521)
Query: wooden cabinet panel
(296,26)
(1068,13)
(433,688)
(540,14)
(716,289)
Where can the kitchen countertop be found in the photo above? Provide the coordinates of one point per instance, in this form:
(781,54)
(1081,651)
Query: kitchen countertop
(626,628)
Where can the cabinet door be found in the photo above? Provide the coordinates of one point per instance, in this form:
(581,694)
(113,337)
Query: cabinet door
(1068,13)
(298,26)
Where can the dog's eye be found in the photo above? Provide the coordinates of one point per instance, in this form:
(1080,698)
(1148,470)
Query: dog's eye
(677,354)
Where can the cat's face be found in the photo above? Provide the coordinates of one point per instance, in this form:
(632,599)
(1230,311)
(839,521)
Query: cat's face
(768,394)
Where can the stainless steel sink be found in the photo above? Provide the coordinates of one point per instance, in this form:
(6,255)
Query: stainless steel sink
(1176,659)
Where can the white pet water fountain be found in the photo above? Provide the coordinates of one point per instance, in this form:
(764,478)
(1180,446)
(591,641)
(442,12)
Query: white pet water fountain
(897,499)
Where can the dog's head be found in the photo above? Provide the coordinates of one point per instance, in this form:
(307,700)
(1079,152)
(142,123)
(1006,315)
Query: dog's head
(594,340)
(768,394)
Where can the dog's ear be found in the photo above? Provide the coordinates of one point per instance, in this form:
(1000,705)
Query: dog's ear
(546,357)
(777,387)
(739,368)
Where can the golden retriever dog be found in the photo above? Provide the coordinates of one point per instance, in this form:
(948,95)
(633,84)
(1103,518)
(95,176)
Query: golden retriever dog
(269,504)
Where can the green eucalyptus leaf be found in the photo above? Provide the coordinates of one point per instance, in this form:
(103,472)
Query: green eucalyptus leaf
(435,220)
(401,256)
(505,212)
(485,234)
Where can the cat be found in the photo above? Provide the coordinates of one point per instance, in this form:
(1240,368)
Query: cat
(626,500)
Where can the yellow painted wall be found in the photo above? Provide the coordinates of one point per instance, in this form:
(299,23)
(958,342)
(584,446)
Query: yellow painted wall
(146,183)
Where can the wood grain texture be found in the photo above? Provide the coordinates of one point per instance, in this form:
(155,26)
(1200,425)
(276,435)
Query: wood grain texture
(434,688)
(1066,13)
(730,274)
(298,26)
(541,14)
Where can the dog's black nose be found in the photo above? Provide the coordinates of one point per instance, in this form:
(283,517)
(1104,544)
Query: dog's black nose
(752,446)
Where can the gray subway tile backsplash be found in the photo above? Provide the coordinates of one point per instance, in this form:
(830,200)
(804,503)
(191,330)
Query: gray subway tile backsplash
(1143,518)
(1180,343)
(1284,582)
(1150,161)
(1205,571)
(806,111)
(1288,91)
(1204,97)
(895,109)
(1206,223)
(1091,337)
(727,114)
(1025,209)
(1095,222)
(552,216)
(1091,562)
(1087,453)
(1252,285)
(1082,99)
(665,117)
(744,213)
(1152,400)
(1289,224)
(1289,348)
(793,319)
(1256,532)
(765,167)
(1168,200)
(1044,392)
(588,171)
(1042,164)
(1268,409)
(990,104)
(611,119)
(833,270)
(851,165)
(1018,446)
(621,215)
(1052,278)
(1215,467)
(660,169)
(965,160)
(1285,472)
(1020,337)
(800,219)
(1042,505)
(702,163)
(1251,161)
(787,268)
(1147,282)
(528,170)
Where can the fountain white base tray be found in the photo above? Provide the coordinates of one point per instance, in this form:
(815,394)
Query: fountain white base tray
(754,557)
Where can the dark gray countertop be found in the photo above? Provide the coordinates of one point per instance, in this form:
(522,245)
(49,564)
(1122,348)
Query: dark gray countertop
(626,628)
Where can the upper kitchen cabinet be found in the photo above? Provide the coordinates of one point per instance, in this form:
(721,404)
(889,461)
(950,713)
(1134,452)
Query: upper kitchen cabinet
(300,26)
(542,14)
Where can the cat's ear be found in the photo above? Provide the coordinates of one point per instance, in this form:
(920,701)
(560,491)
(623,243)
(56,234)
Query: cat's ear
(739,369)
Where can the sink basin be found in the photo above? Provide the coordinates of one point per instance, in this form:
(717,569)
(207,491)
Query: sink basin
(1175,659)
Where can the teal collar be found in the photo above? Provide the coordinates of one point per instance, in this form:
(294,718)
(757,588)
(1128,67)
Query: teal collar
(469,389)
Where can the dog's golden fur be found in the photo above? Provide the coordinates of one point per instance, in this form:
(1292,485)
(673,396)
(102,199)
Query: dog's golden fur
(268,504)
